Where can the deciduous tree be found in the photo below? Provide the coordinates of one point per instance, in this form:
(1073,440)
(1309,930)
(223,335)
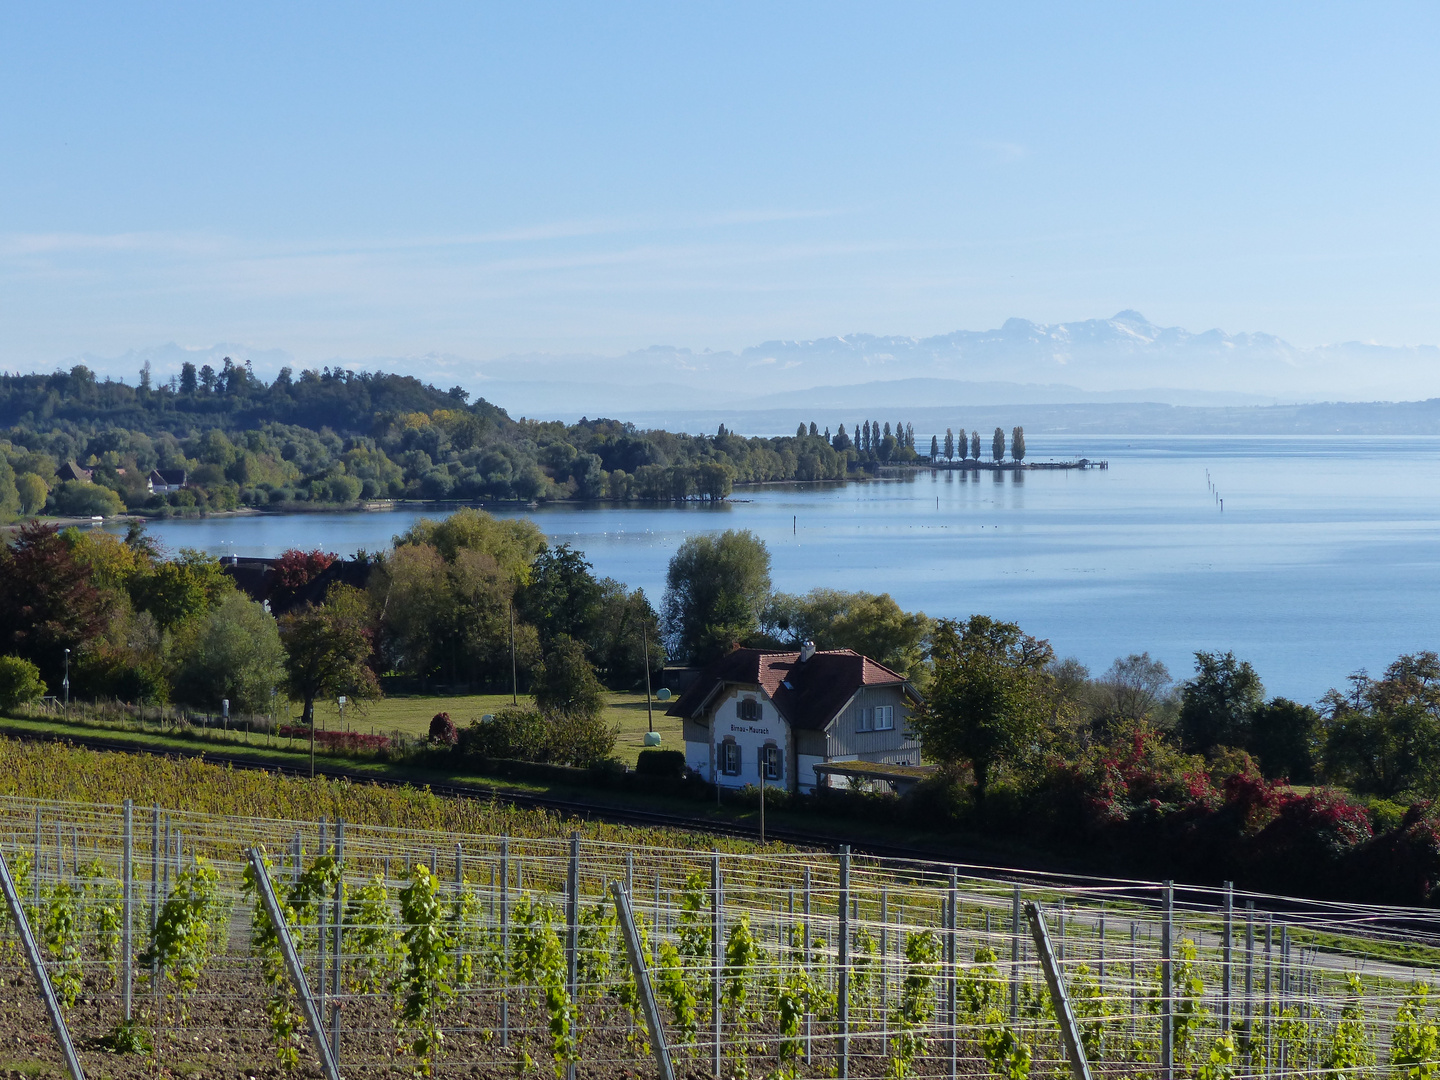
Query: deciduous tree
(327,650)
(715,589)
(1217,705)
(987,698)
(47,600)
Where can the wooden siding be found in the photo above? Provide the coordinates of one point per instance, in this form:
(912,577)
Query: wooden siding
(843,741)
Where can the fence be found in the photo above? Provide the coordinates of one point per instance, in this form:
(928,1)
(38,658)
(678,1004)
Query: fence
(482,955)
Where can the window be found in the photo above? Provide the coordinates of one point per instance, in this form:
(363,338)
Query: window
(770,764)
(730,758)
(875,718)
(749,709)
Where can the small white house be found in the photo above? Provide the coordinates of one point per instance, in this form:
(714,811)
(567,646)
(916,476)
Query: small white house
(784,713)
(163,480)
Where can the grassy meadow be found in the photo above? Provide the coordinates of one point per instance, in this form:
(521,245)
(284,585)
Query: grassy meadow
(411,714)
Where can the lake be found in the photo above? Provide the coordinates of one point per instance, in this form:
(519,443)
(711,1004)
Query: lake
(1322,561)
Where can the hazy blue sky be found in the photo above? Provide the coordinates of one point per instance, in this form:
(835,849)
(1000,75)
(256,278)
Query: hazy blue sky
(381,180)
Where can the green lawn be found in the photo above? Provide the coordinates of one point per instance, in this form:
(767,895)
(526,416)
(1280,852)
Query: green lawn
(412,714)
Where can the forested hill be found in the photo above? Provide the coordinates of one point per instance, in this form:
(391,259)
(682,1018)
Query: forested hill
(76,446)
(231,399)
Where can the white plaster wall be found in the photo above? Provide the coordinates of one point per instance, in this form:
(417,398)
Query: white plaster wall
(806,771)
(697,757)
(750,735)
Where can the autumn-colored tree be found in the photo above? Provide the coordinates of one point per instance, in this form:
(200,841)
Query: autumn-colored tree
(47,601)
(296,569)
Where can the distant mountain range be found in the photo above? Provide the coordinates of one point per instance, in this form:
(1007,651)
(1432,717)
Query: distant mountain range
(1096,362)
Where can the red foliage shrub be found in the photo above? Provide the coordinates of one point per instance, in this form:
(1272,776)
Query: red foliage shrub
(296,568)
(442,730)
(345,741)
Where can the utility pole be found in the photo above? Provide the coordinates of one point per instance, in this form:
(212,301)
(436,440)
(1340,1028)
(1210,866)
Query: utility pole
(66,683)
(514,679)
(649,703)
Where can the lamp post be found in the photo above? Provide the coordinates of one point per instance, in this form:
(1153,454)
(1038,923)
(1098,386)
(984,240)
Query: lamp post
(341,702)
(66,682)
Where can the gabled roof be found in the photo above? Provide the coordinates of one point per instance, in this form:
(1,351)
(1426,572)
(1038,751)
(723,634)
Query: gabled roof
(71,471)
(808,694)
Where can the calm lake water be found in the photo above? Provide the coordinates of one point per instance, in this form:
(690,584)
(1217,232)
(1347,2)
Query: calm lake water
(1324,559)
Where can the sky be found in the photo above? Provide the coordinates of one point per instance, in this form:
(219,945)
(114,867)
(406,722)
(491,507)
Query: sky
(478,180)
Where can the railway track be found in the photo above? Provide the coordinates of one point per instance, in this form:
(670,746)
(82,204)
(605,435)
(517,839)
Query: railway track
(578,808)
(1036,873)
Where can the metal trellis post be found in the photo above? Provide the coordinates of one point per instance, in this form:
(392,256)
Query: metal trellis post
(1167,976)
(1228,956)
(292,965)
(1069,1029)
(1249,972)
(642,982)
(338,927)
(952,950)
(717,953)
(843,961)
(572,928)
(37,968)
(127,915)
(505,940)
(1015,954)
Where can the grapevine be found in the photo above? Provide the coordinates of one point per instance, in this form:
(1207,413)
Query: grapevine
(1415,1041)
(1350,1051)
(428,960)
(917,1002)
(60,931)
(280,1009)
(183,938)
(538,960)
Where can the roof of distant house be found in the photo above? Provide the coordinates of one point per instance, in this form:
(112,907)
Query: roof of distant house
(71,471)
(167,476)
(808,693)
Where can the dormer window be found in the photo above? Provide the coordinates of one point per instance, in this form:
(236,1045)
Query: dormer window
(748,709)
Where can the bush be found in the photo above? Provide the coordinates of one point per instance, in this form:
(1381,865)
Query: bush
(667,764)
(578,738)
(76,498)
(566,680)
(442,730)
(20,682)
(560,737)
(515,733)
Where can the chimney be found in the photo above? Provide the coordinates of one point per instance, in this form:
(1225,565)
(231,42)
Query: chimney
(807,650)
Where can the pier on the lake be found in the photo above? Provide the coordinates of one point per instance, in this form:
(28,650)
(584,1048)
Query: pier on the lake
(974,465)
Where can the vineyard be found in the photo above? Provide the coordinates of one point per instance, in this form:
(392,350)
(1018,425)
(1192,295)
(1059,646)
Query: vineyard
(180,943)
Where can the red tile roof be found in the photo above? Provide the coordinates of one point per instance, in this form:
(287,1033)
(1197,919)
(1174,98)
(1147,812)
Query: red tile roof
(807,694)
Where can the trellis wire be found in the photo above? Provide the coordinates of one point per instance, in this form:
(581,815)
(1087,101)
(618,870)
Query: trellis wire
(856,917)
